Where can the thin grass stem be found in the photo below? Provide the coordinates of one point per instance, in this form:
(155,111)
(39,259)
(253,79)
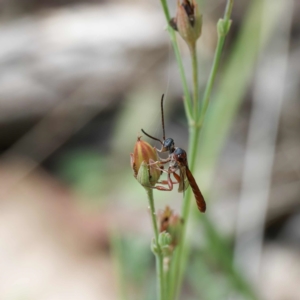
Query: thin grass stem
(195,80)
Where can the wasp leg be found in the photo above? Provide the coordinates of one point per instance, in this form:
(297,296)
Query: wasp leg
(158,150)
(153,163)
(159,162)
(177,177)
(166,182)
(162,188)
(163,170)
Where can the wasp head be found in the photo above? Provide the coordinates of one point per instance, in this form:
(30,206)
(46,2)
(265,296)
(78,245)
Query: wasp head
(168,145)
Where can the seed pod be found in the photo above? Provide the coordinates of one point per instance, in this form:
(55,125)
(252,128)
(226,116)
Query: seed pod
(188,21)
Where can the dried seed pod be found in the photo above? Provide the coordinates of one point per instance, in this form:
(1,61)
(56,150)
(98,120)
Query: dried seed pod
(188,21)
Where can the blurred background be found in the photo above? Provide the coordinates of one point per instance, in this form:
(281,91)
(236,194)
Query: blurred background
(78,80)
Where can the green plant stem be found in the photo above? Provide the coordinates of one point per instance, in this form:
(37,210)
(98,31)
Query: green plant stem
(194,129)
(178,263)
(211,79)
(195,80)
(187,98)
(215,65)
(158,252)
(168,278)
(228,10)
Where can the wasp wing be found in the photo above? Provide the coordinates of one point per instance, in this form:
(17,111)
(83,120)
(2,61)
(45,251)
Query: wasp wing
(184,182)
(197,193)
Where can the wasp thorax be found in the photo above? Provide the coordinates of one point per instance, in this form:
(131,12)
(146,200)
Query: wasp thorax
(180,155)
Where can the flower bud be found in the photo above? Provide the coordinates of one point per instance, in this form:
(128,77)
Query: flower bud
(223,27)
(164,218)
(175,228)
(188,21)
(143,176)
(172,224)
(143,155)
(165,243)
(154,248)
(164,239)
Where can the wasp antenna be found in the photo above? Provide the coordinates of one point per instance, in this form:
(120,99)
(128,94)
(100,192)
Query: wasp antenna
(151,137)
(162,116)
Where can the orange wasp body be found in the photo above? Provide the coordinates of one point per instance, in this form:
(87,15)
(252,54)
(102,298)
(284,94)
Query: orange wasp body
(177,161)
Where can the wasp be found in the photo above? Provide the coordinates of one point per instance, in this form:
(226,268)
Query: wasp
(177,160)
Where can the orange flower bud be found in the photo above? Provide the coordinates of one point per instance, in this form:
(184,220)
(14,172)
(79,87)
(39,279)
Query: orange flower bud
(188,21)
(141,159)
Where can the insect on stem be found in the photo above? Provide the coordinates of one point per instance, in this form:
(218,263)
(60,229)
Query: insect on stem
(177,162)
